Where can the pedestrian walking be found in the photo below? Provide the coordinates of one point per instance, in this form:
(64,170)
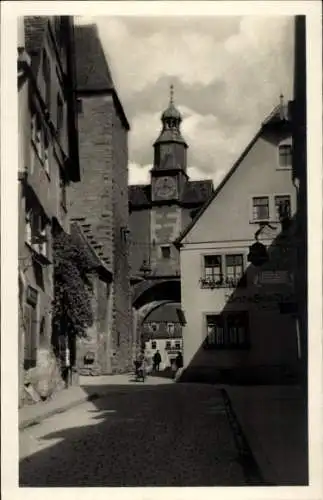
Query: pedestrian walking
(179,360)
(156,361)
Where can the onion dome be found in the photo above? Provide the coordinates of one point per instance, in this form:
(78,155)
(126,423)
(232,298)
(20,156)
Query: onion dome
(171,121)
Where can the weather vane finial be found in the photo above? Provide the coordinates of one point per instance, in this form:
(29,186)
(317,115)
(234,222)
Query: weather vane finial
(171,92)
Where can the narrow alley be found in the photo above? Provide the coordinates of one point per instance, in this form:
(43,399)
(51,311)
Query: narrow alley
(137,435)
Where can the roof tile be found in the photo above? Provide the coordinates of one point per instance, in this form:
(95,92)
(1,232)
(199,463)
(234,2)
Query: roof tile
(91,65)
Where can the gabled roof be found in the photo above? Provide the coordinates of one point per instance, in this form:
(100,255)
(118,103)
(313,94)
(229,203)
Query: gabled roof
(139,195)
(188,228)
(92,70)
(79,237)
(277,116)
(196,193)
(35,29)
(163,311)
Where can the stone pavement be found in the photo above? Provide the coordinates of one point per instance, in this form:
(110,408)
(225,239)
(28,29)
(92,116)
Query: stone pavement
(146,435)
(274,422)
(272,419)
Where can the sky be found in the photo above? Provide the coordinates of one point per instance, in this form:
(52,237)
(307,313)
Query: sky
(227,72)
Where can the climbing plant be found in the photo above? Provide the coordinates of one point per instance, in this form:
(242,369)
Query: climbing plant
(73,267)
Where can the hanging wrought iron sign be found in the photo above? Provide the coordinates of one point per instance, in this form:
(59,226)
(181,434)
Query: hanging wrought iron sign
(258,254)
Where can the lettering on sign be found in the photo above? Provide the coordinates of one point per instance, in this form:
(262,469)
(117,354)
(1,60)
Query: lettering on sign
(264,301)
(274,278)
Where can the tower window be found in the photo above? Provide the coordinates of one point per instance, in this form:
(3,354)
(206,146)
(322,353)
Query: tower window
(165,251)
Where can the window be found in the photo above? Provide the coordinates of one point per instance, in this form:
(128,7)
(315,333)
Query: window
(154,344)
(282,207)
(46,158)
(154,327)
(233,269)
(30,321)
(62,185)
(47,79)
(36,232)
(213,268)
(170,328)
(79,106)
(260,208)
(230,331)
(232,276)
(177,345)
(38,137)
(168,344)
(59,119)
(165,252)
(285,155)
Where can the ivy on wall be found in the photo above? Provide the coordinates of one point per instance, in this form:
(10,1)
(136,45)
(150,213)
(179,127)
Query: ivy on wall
(73,268)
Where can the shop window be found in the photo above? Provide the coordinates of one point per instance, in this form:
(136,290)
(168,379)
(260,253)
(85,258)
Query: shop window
(282,207)
(260,208)
(227,331)
(285,155)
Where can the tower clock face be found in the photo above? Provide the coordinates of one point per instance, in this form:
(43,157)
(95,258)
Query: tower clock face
(165,187)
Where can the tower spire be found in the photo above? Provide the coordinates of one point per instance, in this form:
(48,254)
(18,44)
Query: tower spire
(171,94)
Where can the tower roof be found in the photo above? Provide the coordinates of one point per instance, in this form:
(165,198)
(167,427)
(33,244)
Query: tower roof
(171,111)
(171,120)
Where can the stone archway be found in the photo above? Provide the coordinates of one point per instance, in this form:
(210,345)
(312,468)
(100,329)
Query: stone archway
(149,295)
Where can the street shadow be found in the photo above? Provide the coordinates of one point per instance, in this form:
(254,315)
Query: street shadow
(133,437)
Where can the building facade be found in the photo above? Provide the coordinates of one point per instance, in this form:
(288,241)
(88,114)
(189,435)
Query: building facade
(158,212)
(238,261)
(48,164)
(99,203)
(163,336)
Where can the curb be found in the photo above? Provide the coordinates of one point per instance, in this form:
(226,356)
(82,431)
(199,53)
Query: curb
(253,474)
(61,409)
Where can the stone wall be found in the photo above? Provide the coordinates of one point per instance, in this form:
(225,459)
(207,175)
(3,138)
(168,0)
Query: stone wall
(122,334)
(101,201)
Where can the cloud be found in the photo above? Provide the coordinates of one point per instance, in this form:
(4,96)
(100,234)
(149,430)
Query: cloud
(138,174)
(228,74)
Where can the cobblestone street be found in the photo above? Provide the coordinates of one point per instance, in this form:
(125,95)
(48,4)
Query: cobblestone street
(140,435)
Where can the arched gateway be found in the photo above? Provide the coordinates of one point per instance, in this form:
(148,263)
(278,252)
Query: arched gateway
(158,213)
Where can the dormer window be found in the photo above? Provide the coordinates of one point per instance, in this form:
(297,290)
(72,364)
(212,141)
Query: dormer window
(154,327)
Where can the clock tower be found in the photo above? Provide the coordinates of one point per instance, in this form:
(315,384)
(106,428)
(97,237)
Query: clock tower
(168,175)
